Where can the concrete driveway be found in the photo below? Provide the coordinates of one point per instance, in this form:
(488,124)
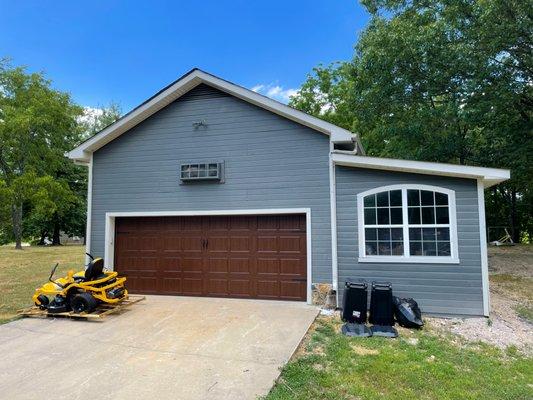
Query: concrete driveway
(161,348)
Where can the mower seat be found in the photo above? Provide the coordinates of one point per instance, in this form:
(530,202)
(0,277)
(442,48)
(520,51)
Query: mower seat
(94,269)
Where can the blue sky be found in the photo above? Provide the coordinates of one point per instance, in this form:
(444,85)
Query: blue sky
(124,51)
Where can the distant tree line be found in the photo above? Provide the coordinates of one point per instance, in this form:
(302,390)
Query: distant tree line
(446,81)
(42,193)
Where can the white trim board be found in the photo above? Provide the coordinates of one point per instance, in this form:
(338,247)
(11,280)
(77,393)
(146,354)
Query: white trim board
(483,248)
(109,245)
(89,210)
(489,176)
(188,82)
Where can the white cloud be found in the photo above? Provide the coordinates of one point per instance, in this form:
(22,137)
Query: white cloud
(90,114)
(275,91)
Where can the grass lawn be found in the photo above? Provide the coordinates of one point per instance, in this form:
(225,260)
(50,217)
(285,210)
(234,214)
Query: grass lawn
(418,365)
(22,271)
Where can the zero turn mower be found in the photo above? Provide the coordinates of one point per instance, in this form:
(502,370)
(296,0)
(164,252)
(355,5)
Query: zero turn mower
(82,291)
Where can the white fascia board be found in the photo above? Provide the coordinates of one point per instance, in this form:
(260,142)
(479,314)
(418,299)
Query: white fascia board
(184,85)
(489,176)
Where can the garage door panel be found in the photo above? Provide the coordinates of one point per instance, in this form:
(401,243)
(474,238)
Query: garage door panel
(217,287)
(218,265)
(189,264)
(289,244)
(267,266)
(192,286)
(192,244)
(291,266)
(240,244)
(267,244)
(241,288)
(239,265)
(268,289)
(218,244)
(237,256)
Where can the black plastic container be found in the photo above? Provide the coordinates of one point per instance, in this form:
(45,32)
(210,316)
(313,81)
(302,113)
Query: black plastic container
(381,305)
(355,302)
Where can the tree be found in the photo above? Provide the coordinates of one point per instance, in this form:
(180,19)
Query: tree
(37,126)
(445,81)
(70,211)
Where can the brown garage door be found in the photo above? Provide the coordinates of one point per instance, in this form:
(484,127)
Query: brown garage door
(261,256)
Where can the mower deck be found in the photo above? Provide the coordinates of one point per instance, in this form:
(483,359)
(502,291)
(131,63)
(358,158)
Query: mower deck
(99,314)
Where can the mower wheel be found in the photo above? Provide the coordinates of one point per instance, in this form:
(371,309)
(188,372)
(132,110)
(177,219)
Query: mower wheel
(44,301)
(83,302)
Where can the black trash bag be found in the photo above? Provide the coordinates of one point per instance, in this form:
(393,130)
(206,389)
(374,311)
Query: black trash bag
(407,313)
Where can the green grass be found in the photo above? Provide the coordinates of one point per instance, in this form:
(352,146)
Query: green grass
(22,271)
(418,365)
(525,312)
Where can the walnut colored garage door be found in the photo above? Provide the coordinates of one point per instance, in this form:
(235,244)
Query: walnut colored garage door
(261,256)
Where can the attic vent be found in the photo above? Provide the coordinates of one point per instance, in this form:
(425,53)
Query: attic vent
(201,172)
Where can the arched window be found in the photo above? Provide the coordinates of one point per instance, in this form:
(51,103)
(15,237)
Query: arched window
(407,223)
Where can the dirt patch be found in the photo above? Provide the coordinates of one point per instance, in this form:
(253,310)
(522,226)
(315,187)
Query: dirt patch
(511,289)
(363,351)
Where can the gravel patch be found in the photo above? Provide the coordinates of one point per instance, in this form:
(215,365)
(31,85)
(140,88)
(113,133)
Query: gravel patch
(504,328)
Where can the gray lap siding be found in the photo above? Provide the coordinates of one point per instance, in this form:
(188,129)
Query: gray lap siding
(270,162)
(438,288)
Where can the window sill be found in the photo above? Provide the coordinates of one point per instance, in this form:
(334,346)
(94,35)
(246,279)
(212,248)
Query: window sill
(409,260)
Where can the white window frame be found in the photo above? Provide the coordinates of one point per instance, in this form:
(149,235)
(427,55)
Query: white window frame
(407,257)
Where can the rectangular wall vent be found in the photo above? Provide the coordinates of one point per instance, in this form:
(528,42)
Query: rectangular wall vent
(201,172)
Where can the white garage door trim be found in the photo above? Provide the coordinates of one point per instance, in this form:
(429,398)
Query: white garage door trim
(109,252)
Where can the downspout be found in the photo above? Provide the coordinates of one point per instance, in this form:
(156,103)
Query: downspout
(333,208)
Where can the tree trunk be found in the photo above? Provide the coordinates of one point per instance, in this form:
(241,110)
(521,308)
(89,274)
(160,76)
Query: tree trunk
(16,217)
(41,240)
(56,239)
(515,231)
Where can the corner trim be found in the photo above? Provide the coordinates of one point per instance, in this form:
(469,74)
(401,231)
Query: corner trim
(88,225)
(483,248)
(109,247)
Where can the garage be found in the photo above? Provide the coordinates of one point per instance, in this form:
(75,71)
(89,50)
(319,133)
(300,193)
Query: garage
(243,256)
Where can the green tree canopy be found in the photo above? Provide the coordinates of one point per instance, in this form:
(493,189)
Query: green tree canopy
(447,81)
(37,126)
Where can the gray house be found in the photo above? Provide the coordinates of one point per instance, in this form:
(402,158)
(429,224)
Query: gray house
(210,189)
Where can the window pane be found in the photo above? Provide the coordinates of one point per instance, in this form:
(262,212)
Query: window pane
(427,198)
(397,233)
(371,248)
(430,248)
(370,216)
(383,199)
(414,215)
(370,200)
(201,171)
(443,234)
(384,249)
(441,199)
(415,234)
(396,198)
(384,234)
(194,171)
(415,248)
(442,215)
(397,248)
(213,172)
(428,215)
(428,234)
(383,216)
(370,234)
(413,197)
(443,249)
(396,216)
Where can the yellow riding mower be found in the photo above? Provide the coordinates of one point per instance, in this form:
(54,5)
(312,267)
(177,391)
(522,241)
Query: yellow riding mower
(81,291)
